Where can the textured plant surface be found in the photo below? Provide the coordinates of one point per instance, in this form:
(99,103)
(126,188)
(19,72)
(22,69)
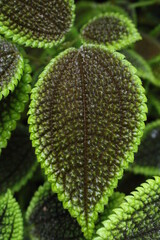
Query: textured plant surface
(137,217)
(11,67)
(36,23)
(11,222)
(111,29)
(17,161)
(99,106)
(78,82)
(147,160)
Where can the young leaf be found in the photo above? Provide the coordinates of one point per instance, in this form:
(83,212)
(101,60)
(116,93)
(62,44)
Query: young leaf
(48,219)
(12,106)
(17,161)
(36,23)
(11,67)
(11,222)
(111,29)
(147,160)
(138,217)
(143,68)
(86,119)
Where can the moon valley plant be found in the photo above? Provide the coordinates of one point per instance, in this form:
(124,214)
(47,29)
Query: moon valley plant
(73,106)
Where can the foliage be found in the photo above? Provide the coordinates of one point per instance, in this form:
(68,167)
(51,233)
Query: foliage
(70,73)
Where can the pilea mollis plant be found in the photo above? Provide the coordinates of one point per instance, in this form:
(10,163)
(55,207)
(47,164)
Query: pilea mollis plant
(79,120)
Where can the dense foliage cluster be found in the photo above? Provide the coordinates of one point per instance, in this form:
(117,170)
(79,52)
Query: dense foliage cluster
(79,120)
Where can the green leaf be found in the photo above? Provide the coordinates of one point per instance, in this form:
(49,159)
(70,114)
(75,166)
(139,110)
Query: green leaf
(111,29)
(12,106)
(114,201)
(147,160)
(143,68)
(48,219)
(11,222)
(88,10)
(138,217)
(86,119)
(36,23)
(11,67)
(155,65)
(17,161)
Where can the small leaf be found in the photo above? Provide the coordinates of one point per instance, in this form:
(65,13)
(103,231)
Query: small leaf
(11,67)
(143,68)
(36,23)
(17,161)
(86,119)
(138,217)
(88,10)
(48,219)
(11,222)
(111,29)
(12,106)
(155,65)
(147,160)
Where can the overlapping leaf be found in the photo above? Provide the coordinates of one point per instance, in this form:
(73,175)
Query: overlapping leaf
(138,217)
(155,65)
(11,222)
(36,23)
(17,161)
(86,119)
(48,219)
(143,68)
(12,106)
(111,29)
(147,160)
(11,67)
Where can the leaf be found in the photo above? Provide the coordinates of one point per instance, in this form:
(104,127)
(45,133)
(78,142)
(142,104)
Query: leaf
(36,23)
(48,219)
(111,29)
(114,201)
(143,68)
(87,10)
(155,65)
(86,119)
(11,222)
(11,67)
(12,106)
(17,161)
(147,160)
(138,217)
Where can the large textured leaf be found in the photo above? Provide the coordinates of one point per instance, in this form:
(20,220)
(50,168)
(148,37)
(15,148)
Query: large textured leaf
(111,29)
(12,106)
(143,68)
(138,216)
(86,120)
(11,222)
(147,160)
(36,23)
(48,219)
(17,161)
(11,67)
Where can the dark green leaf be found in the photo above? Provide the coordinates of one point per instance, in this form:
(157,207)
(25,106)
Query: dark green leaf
(155,65)
(17,161)
(147,160)
(48,219)
(12,106)
(11,67)
(11,222)
(138,217)
(36,23)
(86,119)
(111,29)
